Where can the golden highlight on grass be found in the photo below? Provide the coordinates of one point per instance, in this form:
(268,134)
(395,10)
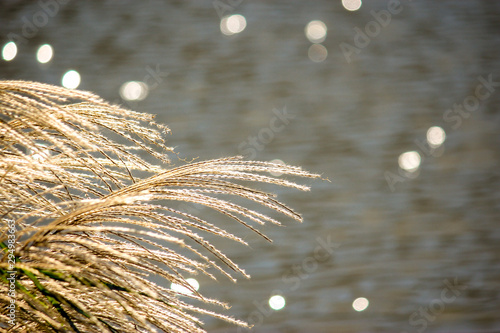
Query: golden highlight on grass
(92,218)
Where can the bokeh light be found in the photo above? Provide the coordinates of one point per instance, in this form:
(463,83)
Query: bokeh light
(316,31)
(435,136)
(41,154)
(277,302)
(233,24)
(360,304)
(277,161)
(352,5)
(134,91)
(71,79)
(183,290)
(409,161)
(317,53)
(44,53)
(9,51)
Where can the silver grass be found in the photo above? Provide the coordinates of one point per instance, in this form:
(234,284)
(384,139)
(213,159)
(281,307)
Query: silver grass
(92,223)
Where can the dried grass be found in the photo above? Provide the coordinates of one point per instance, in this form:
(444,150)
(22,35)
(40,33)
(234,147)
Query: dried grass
(91,219)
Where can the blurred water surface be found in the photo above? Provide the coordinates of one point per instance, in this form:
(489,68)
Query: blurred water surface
(422,247)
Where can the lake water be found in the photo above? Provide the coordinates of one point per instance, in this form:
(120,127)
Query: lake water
(423,246)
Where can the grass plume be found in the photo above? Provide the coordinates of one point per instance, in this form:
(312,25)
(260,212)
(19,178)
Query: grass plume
(87,186)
